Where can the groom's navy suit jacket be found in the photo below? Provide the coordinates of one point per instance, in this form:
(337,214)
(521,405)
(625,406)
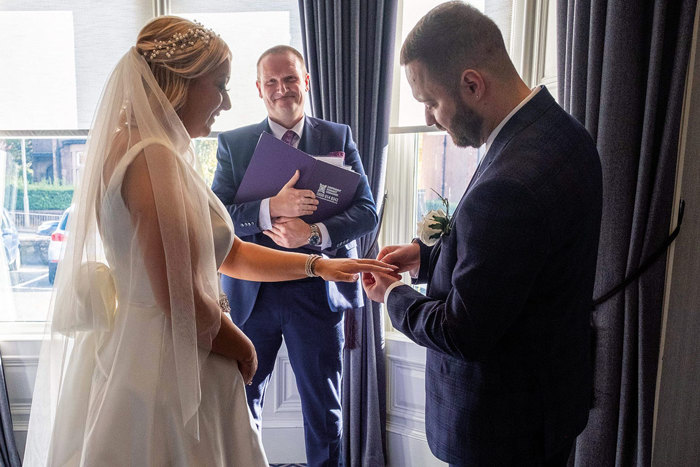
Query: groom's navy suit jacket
(506,314)
(319,137)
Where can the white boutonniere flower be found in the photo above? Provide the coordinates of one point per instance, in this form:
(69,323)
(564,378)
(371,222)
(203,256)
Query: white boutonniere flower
(435,223)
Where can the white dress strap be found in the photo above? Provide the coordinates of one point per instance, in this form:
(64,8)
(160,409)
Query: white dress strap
(130,155)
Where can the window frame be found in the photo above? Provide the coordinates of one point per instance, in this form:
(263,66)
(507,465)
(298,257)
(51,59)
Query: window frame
(528,45)
(34,330)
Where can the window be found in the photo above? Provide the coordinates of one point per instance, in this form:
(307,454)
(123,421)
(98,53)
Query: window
(421,154)
(59,55)
(239,24)
(249,28)
(423,162)
(442,168)
(56,57)
(37,177)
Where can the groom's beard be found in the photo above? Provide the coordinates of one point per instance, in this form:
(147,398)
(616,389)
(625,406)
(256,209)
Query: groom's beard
(465,125)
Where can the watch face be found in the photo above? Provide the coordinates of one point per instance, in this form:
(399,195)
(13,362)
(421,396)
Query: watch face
(314,239)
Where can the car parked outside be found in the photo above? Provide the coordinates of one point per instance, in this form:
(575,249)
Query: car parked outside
(10,242)
(47,227)
(56,243)
(43,238)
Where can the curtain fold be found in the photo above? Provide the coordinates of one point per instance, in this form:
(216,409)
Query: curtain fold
(349,51)
(622,72)
(9,456)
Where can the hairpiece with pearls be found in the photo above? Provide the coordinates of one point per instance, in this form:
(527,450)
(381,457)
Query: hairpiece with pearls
(180,41)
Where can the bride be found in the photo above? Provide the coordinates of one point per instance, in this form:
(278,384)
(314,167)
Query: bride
(141,365)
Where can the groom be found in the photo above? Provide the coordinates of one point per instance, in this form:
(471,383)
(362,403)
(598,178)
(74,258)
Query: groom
(307,312)
(505,317)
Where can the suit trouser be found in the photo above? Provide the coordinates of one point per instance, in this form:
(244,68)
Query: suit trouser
(313,334)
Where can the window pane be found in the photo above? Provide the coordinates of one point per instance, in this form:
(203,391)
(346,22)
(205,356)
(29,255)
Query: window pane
(410,112)
(56,57)
(550,78)
(443,169)
(205,148)
(34,199)
(77,44)
(249,28)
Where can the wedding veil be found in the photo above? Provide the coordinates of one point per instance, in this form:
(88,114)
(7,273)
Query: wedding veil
(134,122)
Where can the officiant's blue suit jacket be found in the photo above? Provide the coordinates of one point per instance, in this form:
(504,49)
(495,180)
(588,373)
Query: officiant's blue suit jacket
(506,316)
(319,137)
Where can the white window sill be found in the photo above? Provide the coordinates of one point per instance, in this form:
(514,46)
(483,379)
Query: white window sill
(22,331)
(396,336)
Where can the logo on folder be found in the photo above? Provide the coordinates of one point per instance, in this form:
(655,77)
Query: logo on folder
(328,193)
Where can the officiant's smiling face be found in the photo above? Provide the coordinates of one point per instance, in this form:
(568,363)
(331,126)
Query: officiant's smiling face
(282,84)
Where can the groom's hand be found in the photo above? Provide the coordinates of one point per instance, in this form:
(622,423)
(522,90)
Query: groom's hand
(289,232)
(376,283)
(406,257)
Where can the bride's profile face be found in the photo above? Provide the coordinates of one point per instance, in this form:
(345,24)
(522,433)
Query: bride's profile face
(207,96)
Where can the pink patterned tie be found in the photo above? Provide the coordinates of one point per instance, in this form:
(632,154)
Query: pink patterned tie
(288,137)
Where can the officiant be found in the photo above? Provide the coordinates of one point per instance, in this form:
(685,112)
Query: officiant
(308,313)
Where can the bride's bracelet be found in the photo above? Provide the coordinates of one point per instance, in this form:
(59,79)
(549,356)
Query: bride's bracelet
(224,304)
(309,267)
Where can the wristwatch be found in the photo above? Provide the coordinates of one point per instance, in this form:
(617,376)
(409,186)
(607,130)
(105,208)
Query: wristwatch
(315,237)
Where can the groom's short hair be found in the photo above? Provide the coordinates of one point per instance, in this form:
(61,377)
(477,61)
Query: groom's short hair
(453,37)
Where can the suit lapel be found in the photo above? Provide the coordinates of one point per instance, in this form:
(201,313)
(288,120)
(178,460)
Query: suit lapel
(310,141)
(527,115)
(434,255)
(263,126)
(247,147)
(517,123)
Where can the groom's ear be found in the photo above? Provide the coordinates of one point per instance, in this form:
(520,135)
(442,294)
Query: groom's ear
(471,85)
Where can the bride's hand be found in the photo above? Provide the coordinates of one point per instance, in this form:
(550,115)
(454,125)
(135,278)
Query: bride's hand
(248,365)
(347,270)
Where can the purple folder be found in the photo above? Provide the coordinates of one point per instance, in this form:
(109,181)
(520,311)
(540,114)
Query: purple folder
(273,164)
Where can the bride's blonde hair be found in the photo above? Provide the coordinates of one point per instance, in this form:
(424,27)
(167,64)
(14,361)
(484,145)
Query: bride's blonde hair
(177,51)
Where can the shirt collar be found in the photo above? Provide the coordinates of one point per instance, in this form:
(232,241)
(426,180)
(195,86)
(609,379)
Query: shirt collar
(278,130)
(497,130)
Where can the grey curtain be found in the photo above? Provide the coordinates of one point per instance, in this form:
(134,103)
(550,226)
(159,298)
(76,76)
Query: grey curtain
(349,50)
(9,456)
(622,69)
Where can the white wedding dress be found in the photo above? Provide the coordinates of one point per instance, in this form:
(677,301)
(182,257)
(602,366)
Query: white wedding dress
(138,422)
(124,380)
